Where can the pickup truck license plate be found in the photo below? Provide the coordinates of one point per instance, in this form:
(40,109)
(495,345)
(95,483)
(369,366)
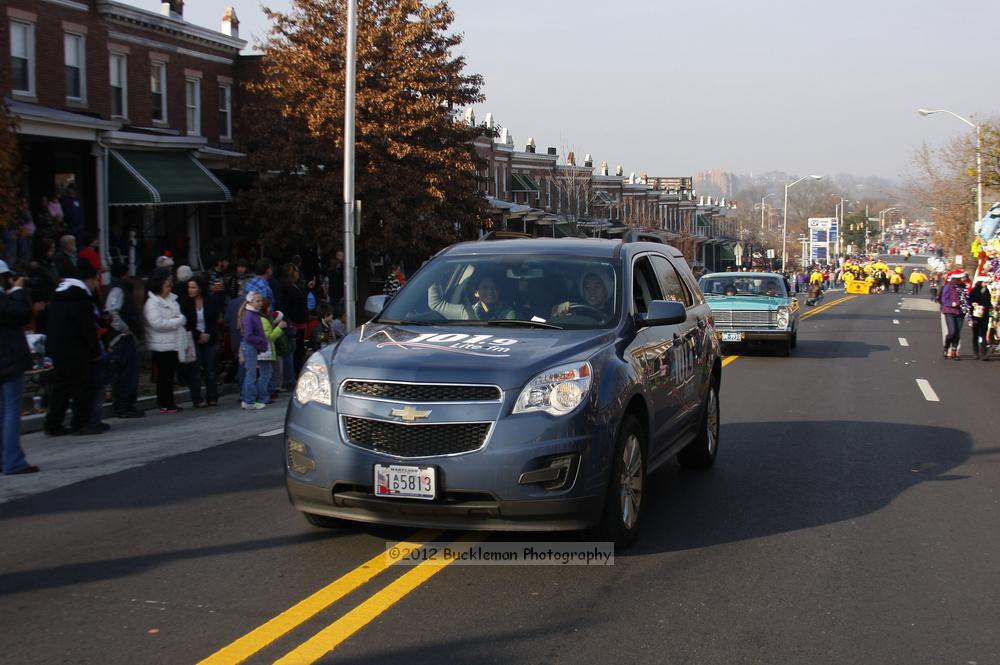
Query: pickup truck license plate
(732,337)
(407,482)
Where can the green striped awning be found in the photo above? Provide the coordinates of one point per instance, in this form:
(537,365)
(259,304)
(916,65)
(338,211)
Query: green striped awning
(523,183)
(141,177)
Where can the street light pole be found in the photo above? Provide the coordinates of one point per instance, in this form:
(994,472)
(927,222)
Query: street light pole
(349,94)
(784,220)
(979,155)
(762,210)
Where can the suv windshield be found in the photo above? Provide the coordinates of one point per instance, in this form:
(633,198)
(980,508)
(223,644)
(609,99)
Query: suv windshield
(742,285)
(565,291)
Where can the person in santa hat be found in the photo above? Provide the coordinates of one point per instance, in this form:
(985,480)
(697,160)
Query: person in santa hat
(951,311)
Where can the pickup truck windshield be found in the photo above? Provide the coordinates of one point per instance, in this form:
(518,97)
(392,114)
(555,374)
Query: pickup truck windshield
(566,291)
(742,285)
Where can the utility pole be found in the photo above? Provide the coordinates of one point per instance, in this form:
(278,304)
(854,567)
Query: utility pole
(350,276)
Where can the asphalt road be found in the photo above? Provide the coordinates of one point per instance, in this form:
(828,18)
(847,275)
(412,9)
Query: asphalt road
(848,520)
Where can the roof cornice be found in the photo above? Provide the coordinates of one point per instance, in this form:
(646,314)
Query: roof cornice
(165,24)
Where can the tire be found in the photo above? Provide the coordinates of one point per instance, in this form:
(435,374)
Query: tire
(784,348)
(326,522)
(795,339)
(625,495)
(700,454)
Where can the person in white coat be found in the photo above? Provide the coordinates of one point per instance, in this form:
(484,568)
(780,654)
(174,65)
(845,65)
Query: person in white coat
(164,324)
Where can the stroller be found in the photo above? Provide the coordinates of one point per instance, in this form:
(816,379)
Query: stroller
(815,294)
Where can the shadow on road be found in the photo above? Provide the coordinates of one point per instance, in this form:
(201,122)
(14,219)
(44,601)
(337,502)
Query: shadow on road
(770,478)
(836,349)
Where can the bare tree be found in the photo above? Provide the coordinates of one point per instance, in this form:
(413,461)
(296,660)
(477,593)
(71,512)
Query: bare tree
(574,187)
(943,184)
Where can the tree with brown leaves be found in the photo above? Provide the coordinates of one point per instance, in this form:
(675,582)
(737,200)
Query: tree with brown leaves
(8,167)
(416,168)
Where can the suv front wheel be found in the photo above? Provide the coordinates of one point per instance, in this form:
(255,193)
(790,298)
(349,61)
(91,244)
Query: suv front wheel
(625,495)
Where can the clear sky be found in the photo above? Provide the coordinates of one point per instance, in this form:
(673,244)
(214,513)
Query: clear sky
(672,88)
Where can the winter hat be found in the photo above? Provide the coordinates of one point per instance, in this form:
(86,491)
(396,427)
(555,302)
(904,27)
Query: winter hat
(165,261)
(84,270)
(184,273)
(956,274)
(4,268)
(259,285)
(982,278)
(250,296)
(278,316)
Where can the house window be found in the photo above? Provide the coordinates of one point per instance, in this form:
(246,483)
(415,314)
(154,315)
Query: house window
(225,112)
(192,104)
(74,66)
(22,57)
(119,86)
(158,86)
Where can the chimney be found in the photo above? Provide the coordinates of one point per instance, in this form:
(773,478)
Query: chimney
(552,151)
(530,146)
(604,168)
(470,117)
(489,121)
(173,9)
(230,24)
(588,161)
(570,159)
(619,171)
(505,136)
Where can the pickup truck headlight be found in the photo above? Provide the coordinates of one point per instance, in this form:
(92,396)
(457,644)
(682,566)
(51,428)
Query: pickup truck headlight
(314,382)
(782,317)
(556,391)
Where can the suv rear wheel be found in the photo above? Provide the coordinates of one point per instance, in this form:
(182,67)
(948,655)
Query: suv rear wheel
(700,453)
(624,499)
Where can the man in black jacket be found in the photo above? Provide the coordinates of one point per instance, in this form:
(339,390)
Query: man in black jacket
(122,339)
(15,360)
(72,342)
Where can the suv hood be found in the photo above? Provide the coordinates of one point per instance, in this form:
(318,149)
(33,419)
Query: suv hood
(504,356)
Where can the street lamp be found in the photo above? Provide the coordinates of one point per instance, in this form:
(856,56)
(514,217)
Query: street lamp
(762,210)
(784,218)
(979,155)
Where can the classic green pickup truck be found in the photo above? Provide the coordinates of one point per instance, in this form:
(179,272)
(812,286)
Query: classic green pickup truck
(752,307)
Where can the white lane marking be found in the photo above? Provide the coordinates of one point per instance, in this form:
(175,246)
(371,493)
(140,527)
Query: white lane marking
(274,432)
(895,321)
(903,342)
(896,311)
(925,388)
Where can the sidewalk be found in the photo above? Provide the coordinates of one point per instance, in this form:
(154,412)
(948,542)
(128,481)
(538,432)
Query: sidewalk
(135,442)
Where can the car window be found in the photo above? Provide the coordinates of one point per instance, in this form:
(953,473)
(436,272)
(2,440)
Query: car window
(670,282)
(566,290)
(645,285)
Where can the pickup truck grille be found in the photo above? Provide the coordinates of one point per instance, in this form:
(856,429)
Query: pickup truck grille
(744,319)
(421,392)
(423,440)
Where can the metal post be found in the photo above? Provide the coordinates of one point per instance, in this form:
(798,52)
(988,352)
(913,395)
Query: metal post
(349,93)
(784,233)
(979,174)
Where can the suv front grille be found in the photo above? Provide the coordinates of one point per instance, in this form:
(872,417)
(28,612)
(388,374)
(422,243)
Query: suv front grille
(415,440)
(422,392)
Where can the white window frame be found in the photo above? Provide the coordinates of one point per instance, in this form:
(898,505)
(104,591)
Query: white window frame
(196,107)
(112,57)
(159,65)
(81,44)
(29,47)
(226,133)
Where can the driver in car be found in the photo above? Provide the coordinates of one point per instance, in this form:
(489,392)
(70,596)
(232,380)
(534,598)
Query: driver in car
(595,297)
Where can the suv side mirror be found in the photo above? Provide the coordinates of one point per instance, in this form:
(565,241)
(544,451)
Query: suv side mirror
(662,313)
(374,305)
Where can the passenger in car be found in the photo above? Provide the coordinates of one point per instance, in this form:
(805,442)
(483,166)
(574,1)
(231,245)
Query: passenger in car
(486,303)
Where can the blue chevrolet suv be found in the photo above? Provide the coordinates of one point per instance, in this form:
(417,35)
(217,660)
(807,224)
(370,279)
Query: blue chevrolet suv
(521,385)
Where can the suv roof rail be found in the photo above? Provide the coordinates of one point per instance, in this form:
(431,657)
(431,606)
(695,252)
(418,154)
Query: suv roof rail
(504,235)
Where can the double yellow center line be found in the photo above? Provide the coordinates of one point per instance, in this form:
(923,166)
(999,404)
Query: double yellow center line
(336,633)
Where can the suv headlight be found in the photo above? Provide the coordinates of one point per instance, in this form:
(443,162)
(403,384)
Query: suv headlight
(782,317)
(556,391)
(314,382)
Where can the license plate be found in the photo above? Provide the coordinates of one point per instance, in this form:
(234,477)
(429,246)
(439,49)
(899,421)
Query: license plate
(732,337)
(407,482)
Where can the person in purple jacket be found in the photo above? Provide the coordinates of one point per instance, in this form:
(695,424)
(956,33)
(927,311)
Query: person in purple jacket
(254,391)
(951,309)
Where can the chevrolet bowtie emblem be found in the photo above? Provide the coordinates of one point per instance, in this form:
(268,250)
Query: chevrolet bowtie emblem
(409,414)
